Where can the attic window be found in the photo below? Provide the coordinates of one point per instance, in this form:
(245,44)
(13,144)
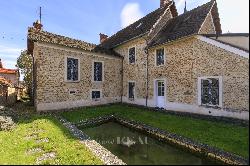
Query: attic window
(131,55)
(72,69)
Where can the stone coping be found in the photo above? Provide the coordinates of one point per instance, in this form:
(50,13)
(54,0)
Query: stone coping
(99,151)
(171,138)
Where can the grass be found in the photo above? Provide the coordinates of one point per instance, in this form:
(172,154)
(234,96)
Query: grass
(231,138)
(16,143)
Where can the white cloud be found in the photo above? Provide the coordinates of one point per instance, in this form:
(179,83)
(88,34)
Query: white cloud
(130,13)
(9,55)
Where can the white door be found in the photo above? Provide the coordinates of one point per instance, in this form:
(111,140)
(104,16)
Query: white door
(160,91)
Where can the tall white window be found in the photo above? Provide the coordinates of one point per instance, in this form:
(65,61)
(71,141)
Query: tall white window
(210,91)
(72,69)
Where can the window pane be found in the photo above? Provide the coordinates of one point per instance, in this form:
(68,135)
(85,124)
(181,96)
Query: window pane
(72,69)
(210,91)
(132,55)
(131,90)
(160,57)
(96,94)
(97,71)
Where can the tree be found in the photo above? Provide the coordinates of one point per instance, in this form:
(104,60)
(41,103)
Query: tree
(24,63)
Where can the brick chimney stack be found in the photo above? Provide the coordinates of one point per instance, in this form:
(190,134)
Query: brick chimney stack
(37,25)
(1,65)
(103,37)
(164,2)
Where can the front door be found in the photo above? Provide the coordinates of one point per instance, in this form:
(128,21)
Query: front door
(160,99)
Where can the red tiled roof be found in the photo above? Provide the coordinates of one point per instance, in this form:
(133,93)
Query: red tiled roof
(8,71)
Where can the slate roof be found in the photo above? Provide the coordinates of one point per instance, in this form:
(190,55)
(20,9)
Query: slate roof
(183,25)
(228,35)
(139,28)
(47,37)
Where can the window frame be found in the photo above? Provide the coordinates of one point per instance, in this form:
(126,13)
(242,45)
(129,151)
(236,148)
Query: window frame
(66,69)
(129,55)
(97,90)
(132,99)
(93,71)
(164,57)
(220,79)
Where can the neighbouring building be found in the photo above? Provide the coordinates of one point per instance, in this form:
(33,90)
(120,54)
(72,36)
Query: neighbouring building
(9,85)
(176,62)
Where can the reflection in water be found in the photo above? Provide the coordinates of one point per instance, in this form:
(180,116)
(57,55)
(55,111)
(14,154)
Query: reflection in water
(137,148)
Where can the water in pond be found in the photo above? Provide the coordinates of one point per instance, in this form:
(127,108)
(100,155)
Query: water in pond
(135,148)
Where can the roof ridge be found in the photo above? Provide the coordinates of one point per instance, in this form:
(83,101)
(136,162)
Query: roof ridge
(66,37)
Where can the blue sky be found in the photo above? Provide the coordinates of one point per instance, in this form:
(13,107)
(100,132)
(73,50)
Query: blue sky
(85,19)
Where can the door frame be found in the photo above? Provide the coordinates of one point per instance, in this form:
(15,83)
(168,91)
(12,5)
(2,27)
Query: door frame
(156,91)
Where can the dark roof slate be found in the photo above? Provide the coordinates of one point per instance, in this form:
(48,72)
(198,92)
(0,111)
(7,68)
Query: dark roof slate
(136,29)
(183,25)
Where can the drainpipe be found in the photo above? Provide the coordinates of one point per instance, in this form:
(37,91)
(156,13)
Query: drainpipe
(122,80)
(33,82)
(147,76)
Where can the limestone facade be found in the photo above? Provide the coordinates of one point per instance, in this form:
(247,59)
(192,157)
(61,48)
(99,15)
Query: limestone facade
(52,91)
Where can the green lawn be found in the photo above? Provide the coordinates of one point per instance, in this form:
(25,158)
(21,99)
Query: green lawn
(228,137)
(45,135)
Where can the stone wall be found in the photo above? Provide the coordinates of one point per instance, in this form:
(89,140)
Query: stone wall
(8,95)
(208,26)
(189,59)
(52,91)
(134,72)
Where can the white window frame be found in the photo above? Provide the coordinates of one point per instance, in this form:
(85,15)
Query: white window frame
(156,57)
(134,91)
(135,55)
(220,78)
(93,71)
(98,98)
(66,68)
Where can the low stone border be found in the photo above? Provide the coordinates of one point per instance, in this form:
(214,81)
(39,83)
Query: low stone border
(106,156)
(185,143)
(233,121)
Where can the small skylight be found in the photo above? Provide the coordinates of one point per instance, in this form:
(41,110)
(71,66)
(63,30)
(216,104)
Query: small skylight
(138,26)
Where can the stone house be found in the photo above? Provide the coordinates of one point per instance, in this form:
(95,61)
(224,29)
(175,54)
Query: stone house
(176,62)
(9,81)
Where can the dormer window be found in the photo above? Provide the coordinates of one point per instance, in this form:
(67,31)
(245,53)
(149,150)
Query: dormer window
(160,57)
(131,55)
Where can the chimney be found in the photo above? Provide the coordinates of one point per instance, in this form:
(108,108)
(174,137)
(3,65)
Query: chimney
(103,37)
(37,25)
(1,65)
(164,2)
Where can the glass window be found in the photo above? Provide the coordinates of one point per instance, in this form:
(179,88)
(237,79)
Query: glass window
(98,71)
(131,87)
(132,55)
(161,88)
(72,69)
(160,57)
(210,91)
(96,94)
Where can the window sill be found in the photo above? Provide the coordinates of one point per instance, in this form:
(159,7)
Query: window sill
(96,100)
(72,81)
(131,99)
(211,106)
